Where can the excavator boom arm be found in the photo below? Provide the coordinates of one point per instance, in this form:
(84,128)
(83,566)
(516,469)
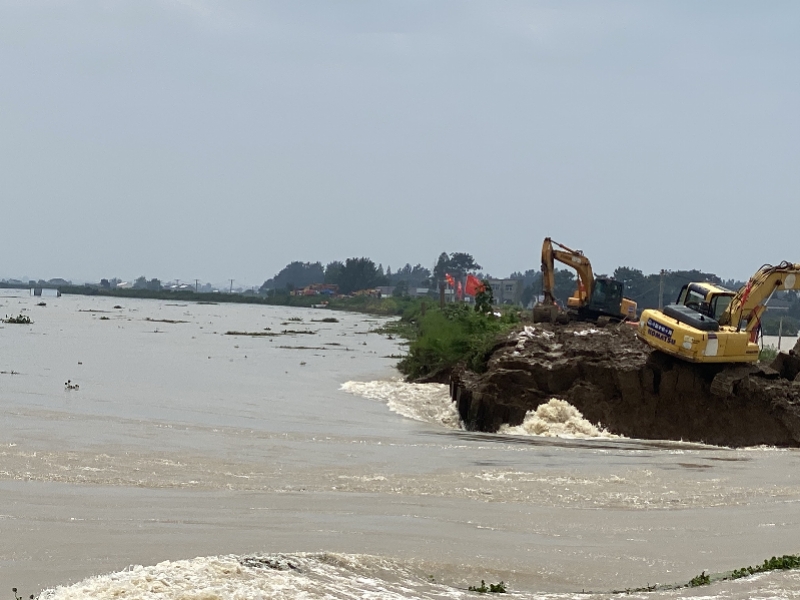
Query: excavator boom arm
(552,251)
(749,301)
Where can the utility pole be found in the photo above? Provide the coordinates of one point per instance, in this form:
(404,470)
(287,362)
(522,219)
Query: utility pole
(196,285)
(661,290)
(231,286)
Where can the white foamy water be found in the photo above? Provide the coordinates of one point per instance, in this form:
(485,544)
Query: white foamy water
(425,402)
(556,418)
(260,577)
(329,576)
(431,403)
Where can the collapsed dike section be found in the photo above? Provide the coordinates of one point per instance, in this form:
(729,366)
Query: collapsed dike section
(619,382)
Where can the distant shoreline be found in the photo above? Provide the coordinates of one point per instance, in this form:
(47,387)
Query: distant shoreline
(376,306)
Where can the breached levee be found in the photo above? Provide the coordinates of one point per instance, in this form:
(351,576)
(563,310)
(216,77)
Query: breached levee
(616,380)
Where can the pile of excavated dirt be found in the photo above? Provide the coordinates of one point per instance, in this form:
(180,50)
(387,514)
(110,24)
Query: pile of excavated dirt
(619,382)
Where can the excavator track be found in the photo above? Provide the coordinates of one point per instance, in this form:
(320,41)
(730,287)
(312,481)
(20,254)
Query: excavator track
(723,382)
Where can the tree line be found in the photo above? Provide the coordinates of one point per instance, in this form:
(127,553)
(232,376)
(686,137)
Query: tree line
(356,274)
(359,273)
(645,289)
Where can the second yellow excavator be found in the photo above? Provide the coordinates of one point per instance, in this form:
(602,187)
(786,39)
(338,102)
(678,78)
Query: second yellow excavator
(596,297)
(710,324)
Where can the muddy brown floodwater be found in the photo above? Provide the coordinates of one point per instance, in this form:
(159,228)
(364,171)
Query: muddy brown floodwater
(193,464)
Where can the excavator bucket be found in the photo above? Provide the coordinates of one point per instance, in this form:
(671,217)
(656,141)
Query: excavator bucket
(545,313)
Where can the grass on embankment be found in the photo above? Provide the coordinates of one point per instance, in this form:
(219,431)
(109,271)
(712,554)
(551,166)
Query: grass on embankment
(439,339)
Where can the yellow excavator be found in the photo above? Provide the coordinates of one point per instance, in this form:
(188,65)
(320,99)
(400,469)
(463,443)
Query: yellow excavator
(595,299)
(709,324)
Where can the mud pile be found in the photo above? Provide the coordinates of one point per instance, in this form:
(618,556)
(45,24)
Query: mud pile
(617,381)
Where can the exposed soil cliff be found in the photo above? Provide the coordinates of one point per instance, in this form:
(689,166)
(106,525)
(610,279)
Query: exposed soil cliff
(615,379)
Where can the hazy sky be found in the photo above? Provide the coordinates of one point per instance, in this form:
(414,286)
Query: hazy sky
(207,139)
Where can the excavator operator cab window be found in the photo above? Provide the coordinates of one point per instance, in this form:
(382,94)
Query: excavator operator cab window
(606,295)
(719,304)
(693,299)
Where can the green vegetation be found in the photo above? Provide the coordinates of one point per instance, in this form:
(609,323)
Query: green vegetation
(781,563)
(18,320)
(296,275)
(484,299)
(493,588)
(457,264)
(442,338)
(699,580)
(767,354)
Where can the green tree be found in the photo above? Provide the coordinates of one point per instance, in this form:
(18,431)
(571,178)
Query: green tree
(565,284)
(457,264)
(400,289)
(484,299)
(296,274)
(531,284)
(641,288)
(461,263)
(441,267)
(359,274)
(332,271)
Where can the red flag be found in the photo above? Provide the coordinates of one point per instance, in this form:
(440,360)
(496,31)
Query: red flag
(474,285)
(450,281)
(459,291)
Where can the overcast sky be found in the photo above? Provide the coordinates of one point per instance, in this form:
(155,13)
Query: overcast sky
(185,139)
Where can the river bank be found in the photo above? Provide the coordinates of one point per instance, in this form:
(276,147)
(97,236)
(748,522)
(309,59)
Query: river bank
(385,306)
(620,383)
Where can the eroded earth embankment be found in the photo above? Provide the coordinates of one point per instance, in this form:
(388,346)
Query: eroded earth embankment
(616,380)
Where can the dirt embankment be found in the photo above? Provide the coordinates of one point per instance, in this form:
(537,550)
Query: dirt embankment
(615,379)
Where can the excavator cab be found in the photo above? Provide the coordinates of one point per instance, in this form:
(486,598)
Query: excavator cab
(606,298)
(707,299)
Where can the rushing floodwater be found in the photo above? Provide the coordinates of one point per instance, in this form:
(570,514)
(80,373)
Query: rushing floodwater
(197,465)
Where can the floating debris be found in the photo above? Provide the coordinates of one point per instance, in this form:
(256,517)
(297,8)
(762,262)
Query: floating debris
(18,320)
(164,320)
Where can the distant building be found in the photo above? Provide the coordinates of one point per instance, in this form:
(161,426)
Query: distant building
(58,281)
(412,292)
(506,291)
